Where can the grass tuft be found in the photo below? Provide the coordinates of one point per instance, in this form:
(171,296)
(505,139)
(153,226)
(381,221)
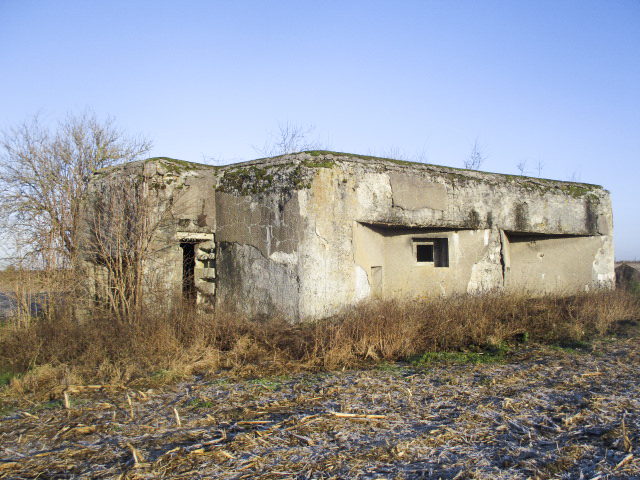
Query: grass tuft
(474,358)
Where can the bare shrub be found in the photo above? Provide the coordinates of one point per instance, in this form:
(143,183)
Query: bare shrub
(126,216)
(43,379)
(376,330)
(522,166)
(600,313)
(476,157)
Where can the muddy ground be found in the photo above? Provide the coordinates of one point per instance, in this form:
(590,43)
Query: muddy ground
(542,412)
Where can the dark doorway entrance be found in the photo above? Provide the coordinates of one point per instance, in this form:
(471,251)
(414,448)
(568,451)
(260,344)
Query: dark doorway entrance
(188,271)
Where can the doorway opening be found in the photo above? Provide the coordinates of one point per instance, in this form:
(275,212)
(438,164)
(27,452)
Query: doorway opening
(189,291)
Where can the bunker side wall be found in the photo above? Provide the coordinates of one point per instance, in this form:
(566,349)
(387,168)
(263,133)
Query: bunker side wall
(177,205)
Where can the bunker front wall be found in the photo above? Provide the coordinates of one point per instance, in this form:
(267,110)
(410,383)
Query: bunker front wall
(308,235)
(363,224)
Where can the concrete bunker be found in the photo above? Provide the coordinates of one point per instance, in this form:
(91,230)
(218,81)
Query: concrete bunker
(304,235)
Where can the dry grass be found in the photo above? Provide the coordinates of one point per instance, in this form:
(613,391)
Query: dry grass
(175,344)
(540,413)
(543,413)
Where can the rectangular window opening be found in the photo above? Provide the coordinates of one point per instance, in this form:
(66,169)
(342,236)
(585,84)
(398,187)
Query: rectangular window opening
(424,253)
(433,251)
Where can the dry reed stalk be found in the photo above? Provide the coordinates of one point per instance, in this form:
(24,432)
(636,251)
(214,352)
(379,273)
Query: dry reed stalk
(131,414)
(626,443)
(356,415)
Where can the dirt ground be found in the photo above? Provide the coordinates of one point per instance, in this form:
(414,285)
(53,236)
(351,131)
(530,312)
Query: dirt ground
(543,413)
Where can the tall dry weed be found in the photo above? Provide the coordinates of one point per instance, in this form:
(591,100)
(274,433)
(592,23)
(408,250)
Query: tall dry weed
(183,341)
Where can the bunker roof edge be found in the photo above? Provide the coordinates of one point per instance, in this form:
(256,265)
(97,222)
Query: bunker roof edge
(319,159)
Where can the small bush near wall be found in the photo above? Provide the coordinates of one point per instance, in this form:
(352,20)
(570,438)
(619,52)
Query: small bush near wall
(47,354)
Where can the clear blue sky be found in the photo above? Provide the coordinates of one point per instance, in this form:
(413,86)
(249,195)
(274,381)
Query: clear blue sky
(554,81)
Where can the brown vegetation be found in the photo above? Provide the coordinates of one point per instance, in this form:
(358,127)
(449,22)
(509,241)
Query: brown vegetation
(539,413)
(56,351)
(79,402)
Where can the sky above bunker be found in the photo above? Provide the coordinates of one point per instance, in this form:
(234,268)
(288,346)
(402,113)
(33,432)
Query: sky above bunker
(545,83)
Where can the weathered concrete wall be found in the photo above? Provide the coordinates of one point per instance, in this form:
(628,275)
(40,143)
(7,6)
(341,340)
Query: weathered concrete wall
(353,245)
(259,228)
(180,206)
(257,260)
(308,234)
(474,261)
(478,201)
(268,223)
(189,192)
(327,269)
(557,264)
(253,284)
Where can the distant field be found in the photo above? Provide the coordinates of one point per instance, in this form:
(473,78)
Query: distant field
(10,279)
(633,264)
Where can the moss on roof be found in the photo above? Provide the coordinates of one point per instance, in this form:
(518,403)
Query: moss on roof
(179,163)
(327,159)
(575,189)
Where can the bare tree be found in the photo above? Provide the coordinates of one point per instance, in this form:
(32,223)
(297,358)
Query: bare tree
(393,152)
(124,217)
(573,176)
(476,158)
(540,166)
(289,138)
(421,156)
(522,166)
(211,159)
(44,176)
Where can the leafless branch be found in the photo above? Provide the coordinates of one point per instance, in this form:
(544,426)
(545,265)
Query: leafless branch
(476,158)
(289,138)
(522,167)
(397,153)
(44,176)
(125,215)
(573,176)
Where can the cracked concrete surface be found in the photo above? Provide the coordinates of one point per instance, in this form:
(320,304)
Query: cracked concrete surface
(306,235)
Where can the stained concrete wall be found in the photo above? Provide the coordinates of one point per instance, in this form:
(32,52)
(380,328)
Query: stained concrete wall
(306,235)
(255,285)
(356,211)
(473,261)
(539,264)
(257,259)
